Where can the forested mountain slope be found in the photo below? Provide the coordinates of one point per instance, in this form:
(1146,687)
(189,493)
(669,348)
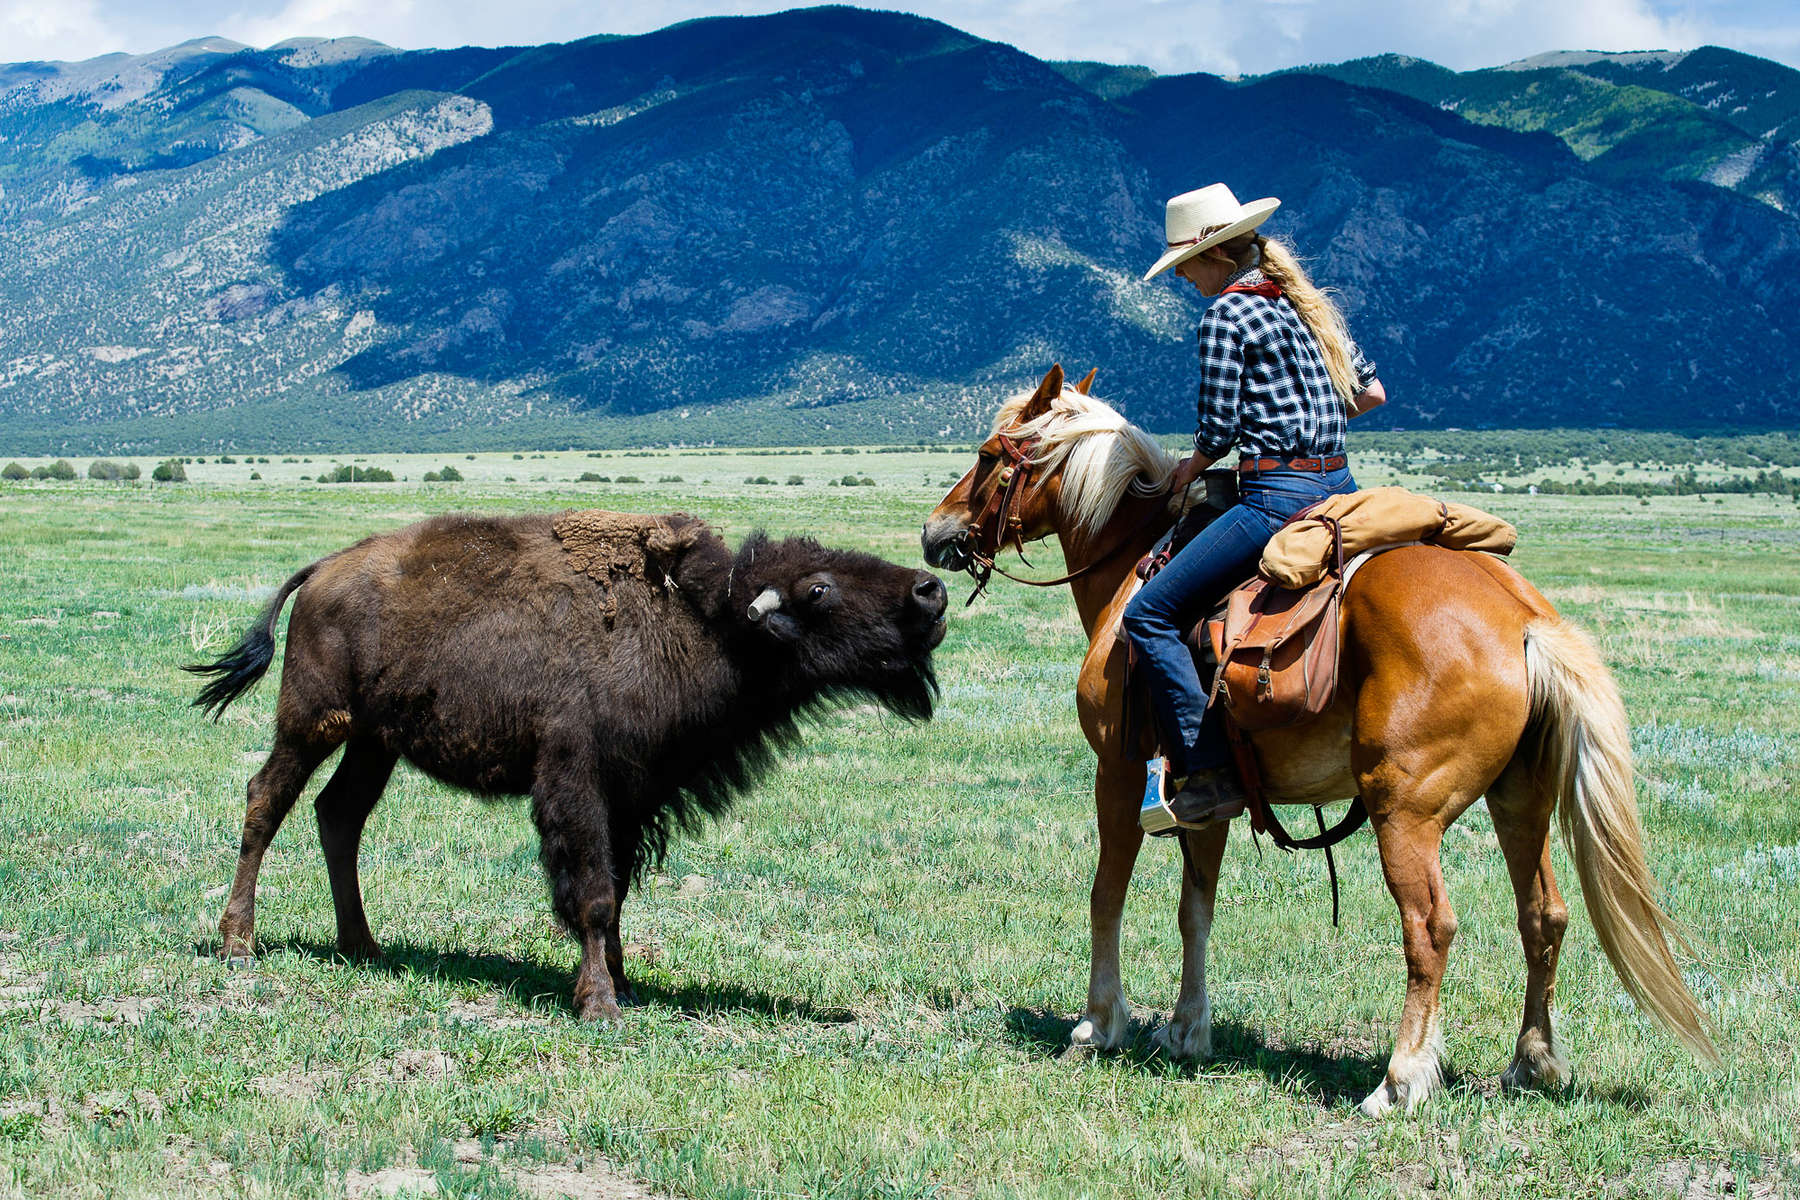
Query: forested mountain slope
(825,225)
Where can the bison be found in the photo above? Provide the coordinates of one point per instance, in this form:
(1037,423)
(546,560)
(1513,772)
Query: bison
(630,673)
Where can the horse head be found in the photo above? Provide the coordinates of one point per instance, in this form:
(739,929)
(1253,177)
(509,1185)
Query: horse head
(1057,462)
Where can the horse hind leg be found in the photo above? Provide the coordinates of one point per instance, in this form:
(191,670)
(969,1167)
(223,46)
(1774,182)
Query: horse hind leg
(1521,808)
(342,808)
(1415,877)
(1106,1020)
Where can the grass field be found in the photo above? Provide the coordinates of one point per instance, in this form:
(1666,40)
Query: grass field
(858,983)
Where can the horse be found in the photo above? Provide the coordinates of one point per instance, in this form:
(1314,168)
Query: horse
(1457,680)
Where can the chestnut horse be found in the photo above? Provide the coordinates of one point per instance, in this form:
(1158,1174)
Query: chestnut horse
(1458,680)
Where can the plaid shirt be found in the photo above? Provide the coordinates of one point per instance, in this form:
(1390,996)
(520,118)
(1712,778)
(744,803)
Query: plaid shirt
(1263,382)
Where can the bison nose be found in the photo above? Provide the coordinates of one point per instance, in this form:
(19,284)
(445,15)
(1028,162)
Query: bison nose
(928,593)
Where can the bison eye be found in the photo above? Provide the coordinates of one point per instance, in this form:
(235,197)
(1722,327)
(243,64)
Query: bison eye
(819,591)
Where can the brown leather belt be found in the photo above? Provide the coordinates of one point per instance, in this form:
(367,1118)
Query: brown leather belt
(1251,466)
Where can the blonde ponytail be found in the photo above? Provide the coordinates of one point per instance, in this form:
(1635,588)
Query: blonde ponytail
(1317,310)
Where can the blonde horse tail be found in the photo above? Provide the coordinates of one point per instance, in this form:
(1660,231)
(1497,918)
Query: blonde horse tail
(1585,760)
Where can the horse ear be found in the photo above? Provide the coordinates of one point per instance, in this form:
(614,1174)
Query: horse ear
(1087,381)
(1048,390)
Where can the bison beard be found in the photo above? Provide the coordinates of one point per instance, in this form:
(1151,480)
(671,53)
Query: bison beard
(630,673)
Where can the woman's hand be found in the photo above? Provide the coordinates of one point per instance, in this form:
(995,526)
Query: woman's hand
(1188,470)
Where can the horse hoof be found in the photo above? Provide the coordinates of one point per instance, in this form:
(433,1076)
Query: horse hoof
(1548,1075)
(1380,1102)
(1180,1041)
(237,952)
(1089,1036)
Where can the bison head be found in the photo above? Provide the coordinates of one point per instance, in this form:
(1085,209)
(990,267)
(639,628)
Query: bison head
(835,622)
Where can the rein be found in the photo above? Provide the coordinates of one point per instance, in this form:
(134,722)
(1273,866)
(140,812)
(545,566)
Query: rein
(998,525)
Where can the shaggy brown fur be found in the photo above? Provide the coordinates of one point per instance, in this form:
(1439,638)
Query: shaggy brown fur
(610,665)
(610,546)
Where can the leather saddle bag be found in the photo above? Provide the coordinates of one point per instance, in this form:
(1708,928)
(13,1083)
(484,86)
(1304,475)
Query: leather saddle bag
(1277,648)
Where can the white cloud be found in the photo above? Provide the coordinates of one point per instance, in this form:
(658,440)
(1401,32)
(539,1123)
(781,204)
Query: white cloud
(31,30)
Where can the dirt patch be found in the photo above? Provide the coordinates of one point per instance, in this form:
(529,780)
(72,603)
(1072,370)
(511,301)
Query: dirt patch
(411,1066)
(391,1181)
(17,988)
(292,1085)
(575,1178)
(1691,1179)
(610,546)
(122,1010)
(20,1116)
(486,1012)
(117,1107)
(586,1182)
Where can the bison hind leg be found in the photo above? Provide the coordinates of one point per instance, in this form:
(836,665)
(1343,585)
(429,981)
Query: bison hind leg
(269,796)
(342,808)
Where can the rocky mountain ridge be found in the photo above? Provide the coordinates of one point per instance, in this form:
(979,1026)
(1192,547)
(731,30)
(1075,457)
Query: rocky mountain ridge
(826,225)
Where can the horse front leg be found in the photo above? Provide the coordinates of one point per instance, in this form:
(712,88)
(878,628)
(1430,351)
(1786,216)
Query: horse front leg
(1118,787)
(1189,1031)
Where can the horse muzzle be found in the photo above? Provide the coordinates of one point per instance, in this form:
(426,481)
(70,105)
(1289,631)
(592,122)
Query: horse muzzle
(948,544)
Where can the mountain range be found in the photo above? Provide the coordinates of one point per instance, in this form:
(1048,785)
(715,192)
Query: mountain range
(835,225)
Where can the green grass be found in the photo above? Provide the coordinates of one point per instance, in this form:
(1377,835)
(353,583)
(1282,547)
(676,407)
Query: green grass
(857,983)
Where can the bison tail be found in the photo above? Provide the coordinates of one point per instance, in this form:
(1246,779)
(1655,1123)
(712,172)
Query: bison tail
(238,670)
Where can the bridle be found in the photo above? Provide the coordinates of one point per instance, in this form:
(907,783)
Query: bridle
(998,524)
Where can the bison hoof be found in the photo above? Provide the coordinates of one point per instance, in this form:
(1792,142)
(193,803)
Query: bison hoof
(237,952)
(359,949)
(605,1011)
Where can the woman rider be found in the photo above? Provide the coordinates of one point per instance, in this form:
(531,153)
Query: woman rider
(1279,374)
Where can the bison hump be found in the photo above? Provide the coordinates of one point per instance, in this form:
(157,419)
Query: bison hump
(611,546)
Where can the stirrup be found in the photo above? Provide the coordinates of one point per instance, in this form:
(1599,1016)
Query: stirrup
(1156,818)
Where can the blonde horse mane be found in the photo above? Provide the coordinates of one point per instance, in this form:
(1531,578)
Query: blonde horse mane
(1102,456)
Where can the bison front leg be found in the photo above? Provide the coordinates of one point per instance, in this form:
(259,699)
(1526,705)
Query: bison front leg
(624,856)
(585,882)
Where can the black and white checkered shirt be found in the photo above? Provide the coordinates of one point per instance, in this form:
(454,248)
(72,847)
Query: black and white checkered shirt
(1263,382)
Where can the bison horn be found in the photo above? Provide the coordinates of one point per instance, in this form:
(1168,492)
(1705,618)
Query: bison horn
(765,603)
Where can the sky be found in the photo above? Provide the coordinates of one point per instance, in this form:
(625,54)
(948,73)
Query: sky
(1219,36)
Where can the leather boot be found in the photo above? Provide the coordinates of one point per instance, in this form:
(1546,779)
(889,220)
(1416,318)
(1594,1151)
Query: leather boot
(1206,797)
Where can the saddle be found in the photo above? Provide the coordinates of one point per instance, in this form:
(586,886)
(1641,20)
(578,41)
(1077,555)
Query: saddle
(1273,652)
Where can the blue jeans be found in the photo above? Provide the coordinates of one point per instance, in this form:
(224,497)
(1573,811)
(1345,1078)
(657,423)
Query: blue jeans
(1177,597)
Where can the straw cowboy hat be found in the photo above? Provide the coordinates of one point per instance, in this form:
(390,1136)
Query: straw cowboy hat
(1195,220)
